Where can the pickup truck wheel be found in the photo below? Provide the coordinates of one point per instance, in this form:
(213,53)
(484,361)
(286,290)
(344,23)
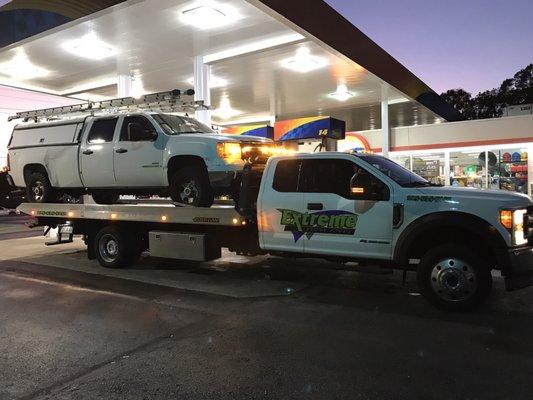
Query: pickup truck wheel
(105,198)
(454,278)
(39,189)
(190,185)
(116,248)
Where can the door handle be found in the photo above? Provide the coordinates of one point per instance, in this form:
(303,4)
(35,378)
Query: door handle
(315,206)
(121,150)
(88,152)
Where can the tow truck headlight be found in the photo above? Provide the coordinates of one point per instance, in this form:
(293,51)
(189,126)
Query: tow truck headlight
(513,221)
(229,151)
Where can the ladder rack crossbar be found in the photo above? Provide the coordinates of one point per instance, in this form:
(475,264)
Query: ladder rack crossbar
(169,101)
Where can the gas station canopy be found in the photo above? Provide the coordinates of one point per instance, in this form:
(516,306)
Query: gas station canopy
(268,59)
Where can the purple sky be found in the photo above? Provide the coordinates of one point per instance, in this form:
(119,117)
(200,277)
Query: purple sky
(473,44)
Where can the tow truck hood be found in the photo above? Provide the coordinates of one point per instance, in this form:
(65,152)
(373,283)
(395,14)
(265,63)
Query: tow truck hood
(506,198)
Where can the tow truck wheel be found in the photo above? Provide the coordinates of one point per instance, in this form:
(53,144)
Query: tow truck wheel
(116,248)
(454,278)
(190,185)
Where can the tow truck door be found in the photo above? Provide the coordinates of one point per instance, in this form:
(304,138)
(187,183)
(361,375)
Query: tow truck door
(278,201)
(344,220)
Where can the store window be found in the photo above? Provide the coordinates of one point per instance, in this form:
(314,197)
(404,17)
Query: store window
(468,169)
(508,169)
(430,167)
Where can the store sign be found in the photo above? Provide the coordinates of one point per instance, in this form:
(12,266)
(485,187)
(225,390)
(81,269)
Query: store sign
(356,142)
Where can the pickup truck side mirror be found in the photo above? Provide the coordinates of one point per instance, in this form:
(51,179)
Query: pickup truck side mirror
(364,186)
(138,133)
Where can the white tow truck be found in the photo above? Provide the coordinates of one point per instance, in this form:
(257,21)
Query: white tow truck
(338,206)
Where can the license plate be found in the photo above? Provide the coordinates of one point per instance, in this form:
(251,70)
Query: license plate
(66,229)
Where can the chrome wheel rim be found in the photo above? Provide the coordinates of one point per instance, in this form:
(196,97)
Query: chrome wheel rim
(38,191)
(189,192)
(453,279)
(108,248)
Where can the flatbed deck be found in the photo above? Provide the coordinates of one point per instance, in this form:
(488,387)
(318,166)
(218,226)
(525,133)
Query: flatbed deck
(156,213)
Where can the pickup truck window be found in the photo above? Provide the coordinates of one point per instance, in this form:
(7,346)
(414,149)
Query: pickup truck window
(396,172)
(102,130)
(343,178)
(286,176)
(174,124)
(134,119)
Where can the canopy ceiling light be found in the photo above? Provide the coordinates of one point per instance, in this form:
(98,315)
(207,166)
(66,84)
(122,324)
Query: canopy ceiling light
(342,93)
(225,111)
(20,67)
(398,101)
(89,46)
(206,15)
(304,61)
(253,47)
(214,82)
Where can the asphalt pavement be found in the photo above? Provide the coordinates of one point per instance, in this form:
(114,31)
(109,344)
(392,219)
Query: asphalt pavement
(71,333)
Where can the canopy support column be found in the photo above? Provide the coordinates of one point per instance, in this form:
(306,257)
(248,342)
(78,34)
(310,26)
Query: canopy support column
(201,88)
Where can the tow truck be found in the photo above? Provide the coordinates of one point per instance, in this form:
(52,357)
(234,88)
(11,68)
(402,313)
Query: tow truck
(338,206)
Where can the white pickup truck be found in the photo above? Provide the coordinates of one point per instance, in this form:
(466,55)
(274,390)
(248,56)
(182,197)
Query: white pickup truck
(339,206)
(138,153)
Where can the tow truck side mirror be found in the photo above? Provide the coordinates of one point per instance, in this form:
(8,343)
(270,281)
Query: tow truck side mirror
(137,133)
(364,186)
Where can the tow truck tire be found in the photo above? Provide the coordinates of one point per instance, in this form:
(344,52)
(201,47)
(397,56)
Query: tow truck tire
(190,185)
(454,278)
(116,248)
(39,189)
(105,198)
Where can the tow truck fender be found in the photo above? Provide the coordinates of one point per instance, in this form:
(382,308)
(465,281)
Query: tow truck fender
(430,224)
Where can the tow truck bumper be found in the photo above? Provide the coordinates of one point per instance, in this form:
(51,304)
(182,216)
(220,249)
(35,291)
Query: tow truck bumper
(518,271)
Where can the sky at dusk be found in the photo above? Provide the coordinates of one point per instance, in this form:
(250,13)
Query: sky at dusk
(472,44)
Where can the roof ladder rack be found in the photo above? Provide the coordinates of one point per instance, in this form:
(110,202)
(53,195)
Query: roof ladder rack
(169,101)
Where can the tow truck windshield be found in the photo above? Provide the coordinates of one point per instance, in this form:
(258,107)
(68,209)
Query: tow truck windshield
(396,172)
(175,125)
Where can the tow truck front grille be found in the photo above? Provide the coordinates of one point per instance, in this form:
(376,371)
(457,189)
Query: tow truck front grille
(528,225)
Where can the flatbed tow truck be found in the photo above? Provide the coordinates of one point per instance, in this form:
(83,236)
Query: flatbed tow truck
(338,206)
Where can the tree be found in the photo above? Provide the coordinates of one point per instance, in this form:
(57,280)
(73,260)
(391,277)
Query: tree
(461,100)
(490,103)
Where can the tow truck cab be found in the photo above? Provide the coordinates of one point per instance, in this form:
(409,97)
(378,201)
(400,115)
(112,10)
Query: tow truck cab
(366,207)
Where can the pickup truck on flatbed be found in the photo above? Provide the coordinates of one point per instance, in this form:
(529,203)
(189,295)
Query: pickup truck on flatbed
(338,206)
(123,152)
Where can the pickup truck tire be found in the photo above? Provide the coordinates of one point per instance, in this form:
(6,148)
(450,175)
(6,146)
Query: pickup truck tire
(105,198)
(116,248)
(39,189)
(454,278)
(190,185)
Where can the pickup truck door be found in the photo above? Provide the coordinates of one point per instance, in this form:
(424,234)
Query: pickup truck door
(346,220)
(138,153)
(96,153)
(278,203)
